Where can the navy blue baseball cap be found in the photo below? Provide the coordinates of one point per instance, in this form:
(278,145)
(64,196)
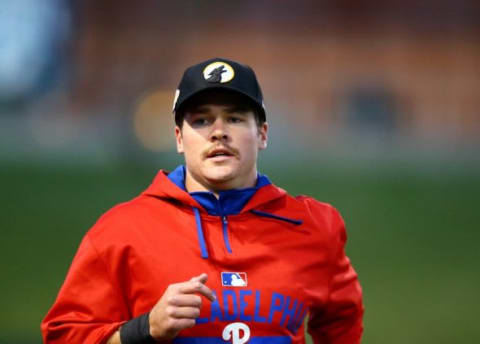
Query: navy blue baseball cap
(219,73)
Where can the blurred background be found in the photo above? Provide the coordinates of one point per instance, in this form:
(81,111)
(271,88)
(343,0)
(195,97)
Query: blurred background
(373,107)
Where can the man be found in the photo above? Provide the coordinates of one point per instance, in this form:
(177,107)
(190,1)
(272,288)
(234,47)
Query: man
(212,252)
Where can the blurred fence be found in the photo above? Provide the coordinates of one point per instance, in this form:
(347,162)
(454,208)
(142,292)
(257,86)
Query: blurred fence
(99,78)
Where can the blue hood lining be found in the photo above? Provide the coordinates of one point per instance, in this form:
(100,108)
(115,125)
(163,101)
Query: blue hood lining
(229,202)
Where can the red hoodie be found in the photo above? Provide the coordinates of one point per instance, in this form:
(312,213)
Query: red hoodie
(270,263)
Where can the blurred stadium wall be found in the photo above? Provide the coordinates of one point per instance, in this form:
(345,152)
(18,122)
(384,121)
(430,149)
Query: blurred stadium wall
(379,99)
(357,77)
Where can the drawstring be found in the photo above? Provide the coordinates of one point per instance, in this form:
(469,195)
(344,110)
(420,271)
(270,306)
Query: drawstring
(277,217)
(201,238)
(225,234)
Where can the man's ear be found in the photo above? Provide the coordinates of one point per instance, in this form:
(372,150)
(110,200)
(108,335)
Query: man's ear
(263,136)
(179,139)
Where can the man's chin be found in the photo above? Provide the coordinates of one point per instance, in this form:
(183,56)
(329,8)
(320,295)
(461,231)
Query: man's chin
(219,179)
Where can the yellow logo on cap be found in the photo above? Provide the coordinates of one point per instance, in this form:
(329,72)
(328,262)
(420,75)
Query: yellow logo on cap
(218,72)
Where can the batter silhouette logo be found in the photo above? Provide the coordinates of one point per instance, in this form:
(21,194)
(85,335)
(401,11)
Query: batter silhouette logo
(218,72)
(236,333)
(234,279)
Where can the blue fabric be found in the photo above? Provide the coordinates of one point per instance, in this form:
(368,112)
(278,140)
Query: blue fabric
(177,176)
(225,234)
(277,217)
(215,340)
(201,238)
(230,202)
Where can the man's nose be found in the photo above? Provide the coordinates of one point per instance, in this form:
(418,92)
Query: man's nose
(219,131)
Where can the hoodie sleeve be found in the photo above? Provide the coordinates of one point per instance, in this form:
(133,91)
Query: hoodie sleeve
(340,320)
(89,306)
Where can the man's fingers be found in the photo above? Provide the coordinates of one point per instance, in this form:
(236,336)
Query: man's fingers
(176,325)
(185,300)
(197,287)
(201,278)
(178,307)
(183,312)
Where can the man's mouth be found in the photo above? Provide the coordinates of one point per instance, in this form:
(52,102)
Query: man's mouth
(219,152)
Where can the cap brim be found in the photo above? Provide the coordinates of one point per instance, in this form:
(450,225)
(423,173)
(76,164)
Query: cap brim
(181,102)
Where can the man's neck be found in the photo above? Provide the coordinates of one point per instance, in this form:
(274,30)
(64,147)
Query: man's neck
(193,184)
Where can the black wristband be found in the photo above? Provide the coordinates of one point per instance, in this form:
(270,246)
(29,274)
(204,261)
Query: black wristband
(136,331)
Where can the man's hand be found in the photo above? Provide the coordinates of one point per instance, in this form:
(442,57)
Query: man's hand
(178,308)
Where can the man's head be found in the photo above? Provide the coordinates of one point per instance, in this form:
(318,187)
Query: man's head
(219,74)
(219,129)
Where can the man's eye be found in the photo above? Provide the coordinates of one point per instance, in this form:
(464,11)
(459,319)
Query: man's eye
(235,119)
(199,122)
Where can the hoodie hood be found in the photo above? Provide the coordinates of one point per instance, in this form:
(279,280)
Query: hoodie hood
(230,202)
(171,186)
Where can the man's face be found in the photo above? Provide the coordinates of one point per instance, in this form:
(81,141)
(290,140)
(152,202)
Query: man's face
(220,140)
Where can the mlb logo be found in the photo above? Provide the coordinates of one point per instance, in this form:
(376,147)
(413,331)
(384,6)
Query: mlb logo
(234,279)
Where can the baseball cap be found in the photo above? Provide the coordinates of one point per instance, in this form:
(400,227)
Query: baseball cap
(219,73)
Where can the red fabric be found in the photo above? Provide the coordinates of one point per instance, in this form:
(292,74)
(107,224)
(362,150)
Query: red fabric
(129,257)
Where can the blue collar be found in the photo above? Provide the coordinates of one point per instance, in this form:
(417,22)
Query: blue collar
(230,202)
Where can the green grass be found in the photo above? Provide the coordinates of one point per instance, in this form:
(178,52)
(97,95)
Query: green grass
(413,238)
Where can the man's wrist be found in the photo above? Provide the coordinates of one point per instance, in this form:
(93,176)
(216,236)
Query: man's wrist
(136,331)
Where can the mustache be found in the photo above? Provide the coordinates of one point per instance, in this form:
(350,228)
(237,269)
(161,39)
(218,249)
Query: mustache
(229,149)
